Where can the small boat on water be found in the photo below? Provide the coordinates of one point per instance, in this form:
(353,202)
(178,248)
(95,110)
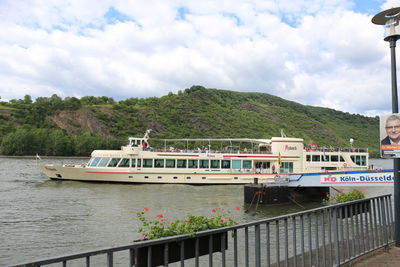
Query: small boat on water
(238,161)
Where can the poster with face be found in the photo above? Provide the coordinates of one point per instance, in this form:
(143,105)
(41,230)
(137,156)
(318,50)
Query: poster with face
(390,135)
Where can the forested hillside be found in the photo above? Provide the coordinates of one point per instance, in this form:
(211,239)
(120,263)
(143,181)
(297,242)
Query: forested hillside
(72,126)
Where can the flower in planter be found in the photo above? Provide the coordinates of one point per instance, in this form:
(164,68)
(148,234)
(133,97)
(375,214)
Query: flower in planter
(159,226)
(342,197)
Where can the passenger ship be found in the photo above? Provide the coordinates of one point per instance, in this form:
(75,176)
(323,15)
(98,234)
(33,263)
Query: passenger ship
(264,159)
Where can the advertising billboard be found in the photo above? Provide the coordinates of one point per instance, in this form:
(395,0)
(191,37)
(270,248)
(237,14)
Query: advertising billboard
(390,135)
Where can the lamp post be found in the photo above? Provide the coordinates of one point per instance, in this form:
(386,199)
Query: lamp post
(390,18)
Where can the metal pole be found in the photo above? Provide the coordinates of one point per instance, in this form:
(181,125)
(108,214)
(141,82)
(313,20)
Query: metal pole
(396,161)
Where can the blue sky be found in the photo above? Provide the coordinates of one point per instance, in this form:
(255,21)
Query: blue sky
(321,53)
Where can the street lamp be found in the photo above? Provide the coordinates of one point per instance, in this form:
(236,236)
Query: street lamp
(390,18)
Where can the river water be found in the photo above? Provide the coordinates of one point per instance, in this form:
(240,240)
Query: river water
(40,218)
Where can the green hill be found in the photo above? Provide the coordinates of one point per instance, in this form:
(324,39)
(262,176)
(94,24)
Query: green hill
(71,126)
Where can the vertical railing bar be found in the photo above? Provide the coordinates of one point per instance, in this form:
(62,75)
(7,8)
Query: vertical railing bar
(346,218)
(88,260)
(353,232)
(371,226)
(367,223)
(380,222)
(64,263)
(356,213)
(235,248)
(316,239)
(309,239)
(166,260)
(278,256)
(286,243)
(303,260)
(210,250)
(257,245)
(376,233)
(196,252)
(323,237)
(391,217)
(360,206)
(149,256)
(385,232)
(223,241)
(109,259)
(388,217)
(336,235)
(246,242)
(330,236)
(294,242)
(182,256)
(268,246)
(341,230)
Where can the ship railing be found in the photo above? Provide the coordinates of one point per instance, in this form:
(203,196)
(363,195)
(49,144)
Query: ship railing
(332,235)
(333,149)
(177,150)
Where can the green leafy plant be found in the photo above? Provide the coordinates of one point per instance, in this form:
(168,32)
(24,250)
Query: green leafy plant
(160,226)
(342,197)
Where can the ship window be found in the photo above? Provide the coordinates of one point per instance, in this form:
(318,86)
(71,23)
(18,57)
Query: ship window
(287,167)
(159,163)
(334,158)
(215,164)
(359,160)
(193,163)
(316,158)
(103,162)
(181,163)
(246,164)
(226,164)
(139,163)
(204,163)
(363,161)
(95,161)
(147,163)
(124,163)
(236,164)
(308,158)
(133,163)
(324,158)
(170,163)
(113,162)
(341,159)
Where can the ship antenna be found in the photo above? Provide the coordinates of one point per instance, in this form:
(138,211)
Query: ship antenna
(146,135)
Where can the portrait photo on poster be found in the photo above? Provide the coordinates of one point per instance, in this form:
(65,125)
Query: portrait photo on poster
(390,135)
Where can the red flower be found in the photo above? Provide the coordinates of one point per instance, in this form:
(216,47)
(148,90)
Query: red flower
(163,219)
(189,221)
(214,210)
(159,215)
(224,219)
(237,208)
(146,209)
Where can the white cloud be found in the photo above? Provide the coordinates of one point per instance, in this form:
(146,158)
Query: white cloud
(323,53)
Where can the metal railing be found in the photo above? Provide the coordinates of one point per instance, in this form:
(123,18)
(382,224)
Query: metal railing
(328,236)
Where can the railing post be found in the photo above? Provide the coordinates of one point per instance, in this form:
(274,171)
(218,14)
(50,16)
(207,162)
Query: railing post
(336,235)
(110,259)
(257,245)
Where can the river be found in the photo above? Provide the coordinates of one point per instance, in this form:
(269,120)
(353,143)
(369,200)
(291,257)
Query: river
(40,218)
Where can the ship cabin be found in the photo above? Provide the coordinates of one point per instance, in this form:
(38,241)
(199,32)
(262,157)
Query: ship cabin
(275,155)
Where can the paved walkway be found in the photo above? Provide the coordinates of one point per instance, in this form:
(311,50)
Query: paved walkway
(380,258)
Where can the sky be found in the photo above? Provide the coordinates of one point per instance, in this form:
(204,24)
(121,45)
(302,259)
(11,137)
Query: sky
(315,52)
